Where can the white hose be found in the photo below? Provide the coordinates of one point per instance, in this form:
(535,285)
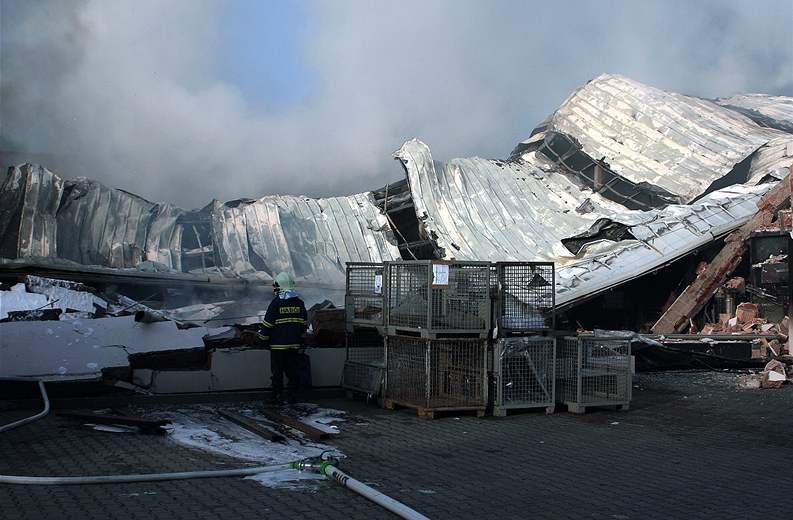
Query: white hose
(151,477)
(398,508)
(32,418)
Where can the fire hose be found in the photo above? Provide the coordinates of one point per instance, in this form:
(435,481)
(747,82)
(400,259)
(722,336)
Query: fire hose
(45,411)
(328,468)
(323,466)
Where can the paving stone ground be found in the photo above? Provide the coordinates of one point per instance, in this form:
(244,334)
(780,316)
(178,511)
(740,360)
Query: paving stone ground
(694,445)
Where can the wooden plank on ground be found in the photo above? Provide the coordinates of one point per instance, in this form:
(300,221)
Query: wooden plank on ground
(145,425)
(313,433)
(253,426)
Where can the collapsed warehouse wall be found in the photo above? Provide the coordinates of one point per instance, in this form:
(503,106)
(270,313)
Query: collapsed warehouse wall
(45,218)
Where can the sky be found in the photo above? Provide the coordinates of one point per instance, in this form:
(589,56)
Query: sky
(184,101)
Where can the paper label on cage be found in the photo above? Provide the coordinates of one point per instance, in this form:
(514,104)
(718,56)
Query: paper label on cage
(440,274)
(378,284)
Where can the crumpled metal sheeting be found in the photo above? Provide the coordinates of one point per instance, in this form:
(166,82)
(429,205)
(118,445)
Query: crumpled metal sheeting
(230,237)
(314,238)
(488,210)
(678,143)
(164,237)
(29,199)
(98,225)
(772,111)
(773,159)
(675,231)
(477,209)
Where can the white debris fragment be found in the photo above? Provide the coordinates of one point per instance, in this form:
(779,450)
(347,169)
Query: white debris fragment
(17,299)
(112,428)
(322,419)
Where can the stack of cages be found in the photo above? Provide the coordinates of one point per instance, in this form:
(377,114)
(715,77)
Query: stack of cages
(524,350)
(594,371)
(437,324)
(364,366)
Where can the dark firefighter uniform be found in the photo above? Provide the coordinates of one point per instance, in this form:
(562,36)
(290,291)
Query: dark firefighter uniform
(283,327)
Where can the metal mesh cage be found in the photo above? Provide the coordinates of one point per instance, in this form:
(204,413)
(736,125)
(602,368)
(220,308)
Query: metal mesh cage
(439,296)
(364,296)
(524,370)
(436,373)
(526,297)
(364,366)
(593,371)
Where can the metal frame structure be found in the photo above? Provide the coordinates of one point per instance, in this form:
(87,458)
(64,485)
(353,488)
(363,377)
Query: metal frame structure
(432,375)
(420,302)
(593,371)
(364,366)
(365,294)
(524,371)
(526,297)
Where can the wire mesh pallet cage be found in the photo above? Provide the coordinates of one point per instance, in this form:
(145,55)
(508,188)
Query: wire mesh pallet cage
(524,373)
(593,371)
(526,297)
(436,375)
(364,366)
(438,299)
(364,297)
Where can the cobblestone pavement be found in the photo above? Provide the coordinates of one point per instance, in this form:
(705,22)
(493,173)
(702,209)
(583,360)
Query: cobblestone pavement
(693,445)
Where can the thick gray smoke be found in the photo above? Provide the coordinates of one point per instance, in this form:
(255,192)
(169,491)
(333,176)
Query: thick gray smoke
(129,93)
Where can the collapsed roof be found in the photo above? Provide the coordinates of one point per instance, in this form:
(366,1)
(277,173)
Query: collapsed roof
(771,111)
(44,217)
(623,178)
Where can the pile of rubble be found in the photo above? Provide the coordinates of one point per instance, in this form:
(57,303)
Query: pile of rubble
(746,320)
(42,299)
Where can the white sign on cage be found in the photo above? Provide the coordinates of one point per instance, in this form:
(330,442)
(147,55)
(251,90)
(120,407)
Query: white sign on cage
(378,284)
(440,274)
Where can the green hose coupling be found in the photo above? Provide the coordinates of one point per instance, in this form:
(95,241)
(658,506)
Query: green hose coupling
(325,465)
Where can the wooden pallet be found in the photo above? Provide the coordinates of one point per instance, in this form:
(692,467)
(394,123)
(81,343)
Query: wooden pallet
(511,410)
(433,413)
(582,408)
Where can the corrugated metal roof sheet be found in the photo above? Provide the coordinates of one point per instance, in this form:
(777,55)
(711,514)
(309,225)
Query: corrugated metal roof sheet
(314,238)
(772,159)
(91,224)
(677,143)
(771,111)
(478,209)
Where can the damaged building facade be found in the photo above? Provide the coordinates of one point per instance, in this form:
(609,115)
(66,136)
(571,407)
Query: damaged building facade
(616,186)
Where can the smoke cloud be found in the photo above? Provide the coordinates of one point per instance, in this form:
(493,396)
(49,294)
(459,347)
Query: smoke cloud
(134,94)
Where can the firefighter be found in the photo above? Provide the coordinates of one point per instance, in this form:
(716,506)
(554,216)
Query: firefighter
(283,328)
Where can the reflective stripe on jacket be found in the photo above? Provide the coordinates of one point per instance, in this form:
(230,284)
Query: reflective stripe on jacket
(285,323)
